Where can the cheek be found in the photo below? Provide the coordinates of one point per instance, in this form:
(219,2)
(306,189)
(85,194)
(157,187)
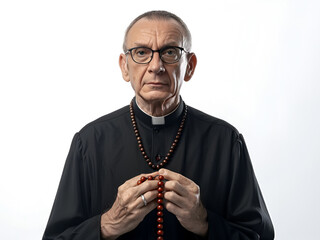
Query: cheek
(136,77)
(177,77)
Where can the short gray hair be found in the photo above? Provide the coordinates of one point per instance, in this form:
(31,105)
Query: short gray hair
(160,15)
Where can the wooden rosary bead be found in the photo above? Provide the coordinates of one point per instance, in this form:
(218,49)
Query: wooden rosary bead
(159,213)
(160,195)
(160,232)
(160,226)
(143,178)
(160,220)
(160,207)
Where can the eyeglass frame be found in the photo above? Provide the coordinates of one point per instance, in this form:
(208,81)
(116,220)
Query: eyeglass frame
(159,51)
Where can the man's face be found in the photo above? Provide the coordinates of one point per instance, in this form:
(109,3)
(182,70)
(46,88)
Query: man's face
(156,81)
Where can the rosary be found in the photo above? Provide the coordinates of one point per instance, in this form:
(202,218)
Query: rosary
(159,201)
(160,231)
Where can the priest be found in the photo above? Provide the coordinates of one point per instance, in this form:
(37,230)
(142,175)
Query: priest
(158,168)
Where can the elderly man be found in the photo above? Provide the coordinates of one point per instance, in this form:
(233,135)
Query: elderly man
(158,169)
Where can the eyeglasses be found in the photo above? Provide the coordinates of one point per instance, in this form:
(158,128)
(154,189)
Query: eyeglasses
(144,55)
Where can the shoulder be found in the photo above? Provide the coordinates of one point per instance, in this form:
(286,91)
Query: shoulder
(106,121)
(210,122)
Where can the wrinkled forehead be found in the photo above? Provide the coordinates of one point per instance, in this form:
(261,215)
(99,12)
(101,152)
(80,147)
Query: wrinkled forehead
(155,33)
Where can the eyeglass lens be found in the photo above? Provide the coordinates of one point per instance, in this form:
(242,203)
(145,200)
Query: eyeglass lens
(144,55)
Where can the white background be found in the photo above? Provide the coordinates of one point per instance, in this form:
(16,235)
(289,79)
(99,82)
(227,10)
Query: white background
(258,68)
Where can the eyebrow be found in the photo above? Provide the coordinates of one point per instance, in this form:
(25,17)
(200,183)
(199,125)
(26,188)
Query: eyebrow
(170,44)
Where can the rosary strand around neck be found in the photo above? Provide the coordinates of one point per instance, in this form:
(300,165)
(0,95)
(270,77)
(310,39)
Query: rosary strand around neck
(173,145)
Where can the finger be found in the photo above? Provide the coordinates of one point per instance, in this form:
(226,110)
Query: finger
(133,181)
(174,209)
(148,196)
(145,187)
(176,187)
(170,175)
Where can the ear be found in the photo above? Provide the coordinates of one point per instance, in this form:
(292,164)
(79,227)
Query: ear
(124,67)
(192,63)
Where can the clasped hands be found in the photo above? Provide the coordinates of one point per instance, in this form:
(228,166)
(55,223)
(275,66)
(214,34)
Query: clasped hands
(181,197)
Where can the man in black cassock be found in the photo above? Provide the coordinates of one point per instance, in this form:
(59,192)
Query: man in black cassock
(210,189)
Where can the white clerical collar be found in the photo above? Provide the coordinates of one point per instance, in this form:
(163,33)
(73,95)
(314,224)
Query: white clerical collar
(157,120)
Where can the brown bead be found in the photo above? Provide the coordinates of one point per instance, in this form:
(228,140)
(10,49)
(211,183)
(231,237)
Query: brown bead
(161,177)
(160,220)
(159,238)
(139,182)
(153,166)
(150,178)
(160,195)
(160,201)
(160,184)
(164,161)
(158,166)
(160,207)
(160,189)
(159,213)
(143,178)
(160,232)
(150,163)
(170,150)
(160,226)
(161,164)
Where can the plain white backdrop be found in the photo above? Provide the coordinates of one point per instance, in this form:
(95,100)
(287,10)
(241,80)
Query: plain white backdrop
(258,68)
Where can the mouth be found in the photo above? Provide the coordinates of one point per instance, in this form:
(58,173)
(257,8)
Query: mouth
(159,84)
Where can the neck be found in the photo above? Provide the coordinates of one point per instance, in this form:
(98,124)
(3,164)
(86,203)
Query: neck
(158,108)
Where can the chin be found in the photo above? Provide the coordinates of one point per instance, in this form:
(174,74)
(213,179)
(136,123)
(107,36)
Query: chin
(156,96)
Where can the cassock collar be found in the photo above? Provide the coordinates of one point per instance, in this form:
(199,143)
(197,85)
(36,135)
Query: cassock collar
(156,121)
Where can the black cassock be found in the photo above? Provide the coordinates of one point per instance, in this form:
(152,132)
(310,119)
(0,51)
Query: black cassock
(105,153)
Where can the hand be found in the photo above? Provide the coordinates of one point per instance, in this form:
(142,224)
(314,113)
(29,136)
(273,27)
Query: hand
(128,210)
(182,198)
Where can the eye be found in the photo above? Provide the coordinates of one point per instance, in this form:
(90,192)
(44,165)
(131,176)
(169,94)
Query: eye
(141,52)
(169,51)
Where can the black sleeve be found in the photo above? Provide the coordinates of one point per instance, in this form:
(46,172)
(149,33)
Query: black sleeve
(246,217)
(70,218)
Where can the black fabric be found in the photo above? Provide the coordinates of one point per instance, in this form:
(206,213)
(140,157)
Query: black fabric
(105,153)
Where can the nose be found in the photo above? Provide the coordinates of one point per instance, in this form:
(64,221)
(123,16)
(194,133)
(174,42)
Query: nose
(156,64)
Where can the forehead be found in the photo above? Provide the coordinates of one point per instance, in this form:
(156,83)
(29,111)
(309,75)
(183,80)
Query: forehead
(155,32)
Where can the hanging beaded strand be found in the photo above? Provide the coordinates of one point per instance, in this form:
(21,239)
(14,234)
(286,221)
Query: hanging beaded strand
(173,145)
(160,231)
(160,207)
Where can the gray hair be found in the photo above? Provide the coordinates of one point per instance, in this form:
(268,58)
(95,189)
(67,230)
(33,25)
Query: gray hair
(160,15)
